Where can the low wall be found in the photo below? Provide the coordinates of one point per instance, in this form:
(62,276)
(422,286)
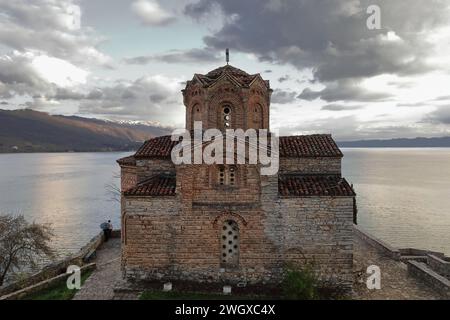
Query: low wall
(439,265)
(419,252)
(59,267)
(390,251)
(432,278)
(23,293)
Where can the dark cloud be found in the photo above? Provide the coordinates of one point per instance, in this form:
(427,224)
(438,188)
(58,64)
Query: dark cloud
(340,107)
(67,94)
(284,78)
(441,115)
(329,36)
(145,98)
(412,105)
(4,103)
(442,98)
(178,56)
(331,39)
(18,77)
(350,128)
(344,91)
(283,97)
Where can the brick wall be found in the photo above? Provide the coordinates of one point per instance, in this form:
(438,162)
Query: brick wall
(128,177)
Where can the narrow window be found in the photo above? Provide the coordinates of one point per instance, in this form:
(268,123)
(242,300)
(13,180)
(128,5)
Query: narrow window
(226,116)
(229,244)
(227,175)
(196,114)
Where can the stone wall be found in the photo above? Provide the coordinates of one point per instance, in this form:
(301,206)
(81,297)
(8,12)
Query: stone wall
(316,165)
(148,226)
(46,284)
(421,271)
(439,264)
(59,267)
(319,231)
(147,168)
(179,237)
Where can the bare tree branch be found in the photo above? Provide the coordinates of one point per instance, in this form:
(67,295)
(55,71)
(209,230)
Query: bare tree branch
(22,244)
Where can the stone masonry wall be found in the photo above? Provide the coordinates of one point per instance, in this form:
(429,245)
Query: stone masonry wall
(148,232)
(179,238)
(147,168)
(317,165)
(318,231)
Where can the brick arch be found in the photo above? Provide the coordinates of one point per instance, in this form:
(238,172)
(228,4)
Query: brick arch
(259,102)
(194,103)
(220,219)
(215,108)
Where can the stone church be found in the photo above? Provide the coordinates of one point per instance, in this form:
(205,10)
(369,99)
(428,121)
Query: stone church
(229,223)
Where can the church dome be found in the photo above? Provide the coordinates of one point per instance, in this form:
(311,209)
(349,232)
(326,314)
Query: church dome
(242,77)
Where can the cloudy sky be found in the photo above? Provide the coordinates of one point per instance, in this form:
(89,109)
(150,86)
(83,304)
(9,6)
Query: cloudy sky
(128,59)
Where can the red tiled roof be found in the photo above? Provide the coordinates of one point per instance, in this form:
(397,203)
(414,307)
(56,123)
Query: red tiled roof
(127,161)
(158,186)
(242,77)
(294,146)
(317,185)
(159,147)
(317,145)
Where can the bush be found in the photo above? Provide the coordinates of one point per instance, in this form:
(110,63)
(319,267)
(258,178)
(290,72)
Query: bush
(300,284)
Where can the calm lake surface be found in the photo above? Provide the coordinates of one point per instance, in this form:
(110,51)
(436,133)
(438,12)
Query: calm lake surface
(403,194)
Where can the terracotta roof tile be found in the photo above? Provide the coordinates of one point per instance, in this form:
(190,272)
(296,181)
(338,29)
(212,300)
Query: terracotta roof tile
(158,186)
(318,145)
(159,147)
(127,161)
(317,185)
(242,77)
(294,147)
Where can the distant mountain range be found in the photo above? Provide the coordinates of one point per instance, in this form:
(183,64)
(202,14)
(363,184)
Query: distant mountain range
(32,131)
(442,142)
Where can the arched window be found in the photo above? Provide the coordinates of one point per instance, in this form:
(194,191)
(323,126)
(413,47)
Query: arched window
(227,175)
(229,244)
(226,117)
(257,117)
(196,114)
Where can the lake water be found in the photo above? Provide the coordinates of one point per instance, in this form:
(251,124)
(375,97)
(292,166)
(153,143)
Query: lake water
(403,194)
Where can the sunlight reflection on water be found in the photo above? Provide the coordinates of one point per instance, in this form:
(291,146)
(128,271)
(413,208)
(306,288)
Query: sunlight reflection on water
(403,194)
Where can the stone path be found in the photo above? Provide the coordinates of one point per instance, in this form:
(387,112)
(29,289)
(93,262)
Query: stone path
(100,285)
(396,284)
(395,281)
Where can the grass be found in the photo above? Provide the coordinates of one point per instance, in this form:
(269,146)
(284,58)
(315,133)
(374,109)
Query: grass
(58,291)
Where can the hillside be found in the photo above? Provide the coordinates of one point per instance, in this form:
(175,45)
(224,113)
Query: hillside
(33,131)
(441,142)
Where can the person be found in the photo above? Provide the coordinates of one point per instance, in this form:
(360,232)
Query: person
(110,228)
(107,229)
